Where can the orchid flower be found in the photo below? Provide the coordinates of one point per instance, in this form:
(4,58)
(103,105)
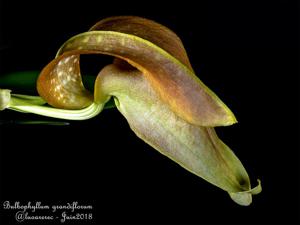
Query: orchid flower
(154,87)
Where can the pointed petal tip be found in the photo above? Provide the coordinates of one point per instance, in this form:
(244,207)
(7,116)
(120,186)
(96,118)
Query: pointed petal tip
(231,119)
(226,120)
(257,189)
(244,198)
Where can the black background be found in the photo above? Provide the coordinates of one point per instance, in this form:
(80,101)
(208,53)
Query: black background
(247,53)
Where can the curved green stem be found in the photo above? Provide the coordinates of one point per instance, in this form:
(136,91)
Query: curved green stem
(34,100)
(25,105)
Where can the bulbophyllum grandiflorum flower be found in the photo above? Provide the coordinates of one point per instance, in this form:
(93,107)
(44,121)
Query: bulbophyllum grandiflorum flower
(154,87)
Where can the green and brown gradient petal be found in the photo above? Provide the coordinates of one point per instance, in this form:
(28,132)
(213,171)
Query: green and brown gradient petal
(155,88)
(170,75)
